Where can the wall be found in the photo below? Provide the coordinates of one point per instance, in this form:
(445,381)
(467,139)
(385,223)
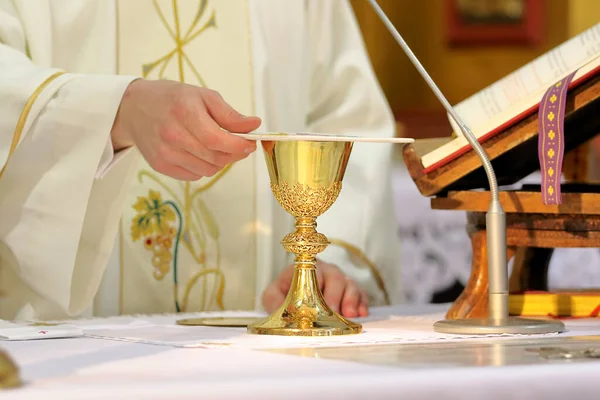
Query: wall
(583,14)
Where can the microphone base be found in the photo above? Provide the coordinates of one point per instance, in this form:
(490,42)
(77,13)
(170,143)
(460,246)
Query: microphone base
(488,326)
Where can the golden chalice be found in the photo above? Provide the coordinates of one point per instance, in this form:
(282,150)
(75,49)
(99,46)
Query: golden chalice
(306,179)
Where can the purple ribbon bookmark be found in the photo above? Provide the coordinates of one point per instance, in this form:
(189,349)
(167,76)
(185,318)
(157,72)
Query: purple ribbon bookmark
(551,139)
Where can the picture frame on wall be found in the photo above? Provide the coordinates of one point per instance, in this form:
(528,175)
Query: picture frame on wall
(494,22)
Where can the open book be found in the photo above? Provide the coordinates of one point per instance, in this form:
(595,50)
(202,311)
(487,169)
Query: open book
(518,95)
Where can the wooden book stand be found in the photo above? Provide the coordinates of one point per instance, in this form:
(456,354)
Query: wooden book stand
(533,229)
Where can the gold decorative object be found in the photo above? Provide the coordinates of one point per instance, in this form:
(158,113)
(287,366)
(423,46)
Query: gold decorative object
(306,179)
(229,322)
(9,372)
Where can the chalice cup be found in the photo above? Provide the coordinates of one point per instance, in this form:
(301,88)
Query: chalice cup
(306,179)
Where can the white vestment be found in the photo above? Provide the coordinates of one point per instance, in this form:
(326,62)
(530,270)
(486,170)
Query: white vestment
(300,65)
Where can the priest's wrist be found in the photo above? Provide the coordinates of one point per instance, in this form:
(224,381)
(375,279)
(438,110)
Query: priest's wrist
(119,134)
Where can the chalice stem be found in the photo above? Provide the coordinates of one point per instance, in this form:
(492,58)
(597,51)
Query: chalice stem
(305,243)
(304,296)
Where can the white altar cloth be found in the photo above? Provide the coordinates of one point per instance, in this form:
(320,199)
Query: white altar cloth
(90,368)
(377,329)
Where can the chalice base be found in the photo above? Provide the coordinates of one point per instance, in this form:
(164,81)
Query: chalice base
(304,312)
(509,325)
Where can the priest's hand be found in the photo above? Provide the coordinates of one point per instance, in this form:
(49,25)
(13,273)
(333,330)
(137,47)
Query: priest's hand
(177,128)
(340,292)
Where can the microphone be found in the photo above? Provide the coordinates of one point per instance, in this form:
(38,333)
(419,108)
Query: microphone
(498,321)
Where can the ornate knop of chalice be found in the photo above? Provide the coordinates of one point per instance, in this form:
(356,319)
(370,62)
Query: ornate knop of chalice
(306,179)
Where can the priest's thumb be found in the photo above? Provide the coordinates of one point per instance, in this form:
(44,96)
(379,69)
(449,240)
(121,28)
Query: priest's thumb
(272,298)
(226,116)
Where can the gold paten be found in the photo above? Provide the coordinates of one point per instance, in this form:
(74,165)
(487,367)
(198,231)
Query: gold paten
(9,372)
(229,322)
(306,179)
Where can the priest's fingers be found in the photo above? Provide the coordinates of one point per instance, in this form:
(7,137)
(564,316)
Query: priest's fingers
(201,143)
(272,298)
(320,278)
(284,280)
(226,116)
(214,138)
(196,165)
(205,119)
(363,308)
(171,162)
(275,293)
(179,173)
(206,131)
(176,136)
(214,157)
(351,299)
(334,286)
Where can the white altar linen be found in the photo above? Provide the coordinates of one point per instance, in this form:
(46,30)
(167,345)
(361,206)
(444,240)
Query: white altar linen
(97,369)
(376,330)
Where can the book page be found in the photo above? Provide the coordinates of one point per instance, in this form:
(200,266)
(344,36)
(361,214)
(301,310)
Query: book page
(499,119)
(507,96)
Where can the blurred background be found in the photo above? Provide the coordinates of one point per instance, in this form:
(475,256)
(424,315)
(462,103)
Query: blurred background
(465,45)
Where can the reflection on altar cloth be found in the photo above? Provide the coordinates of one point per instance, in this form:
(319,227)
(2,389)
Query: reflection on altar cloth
(473,353)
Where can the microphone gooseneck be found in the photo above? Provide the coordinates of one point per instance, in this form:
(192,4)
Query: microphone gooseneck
(495,217)
(487,165)
(498,320)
